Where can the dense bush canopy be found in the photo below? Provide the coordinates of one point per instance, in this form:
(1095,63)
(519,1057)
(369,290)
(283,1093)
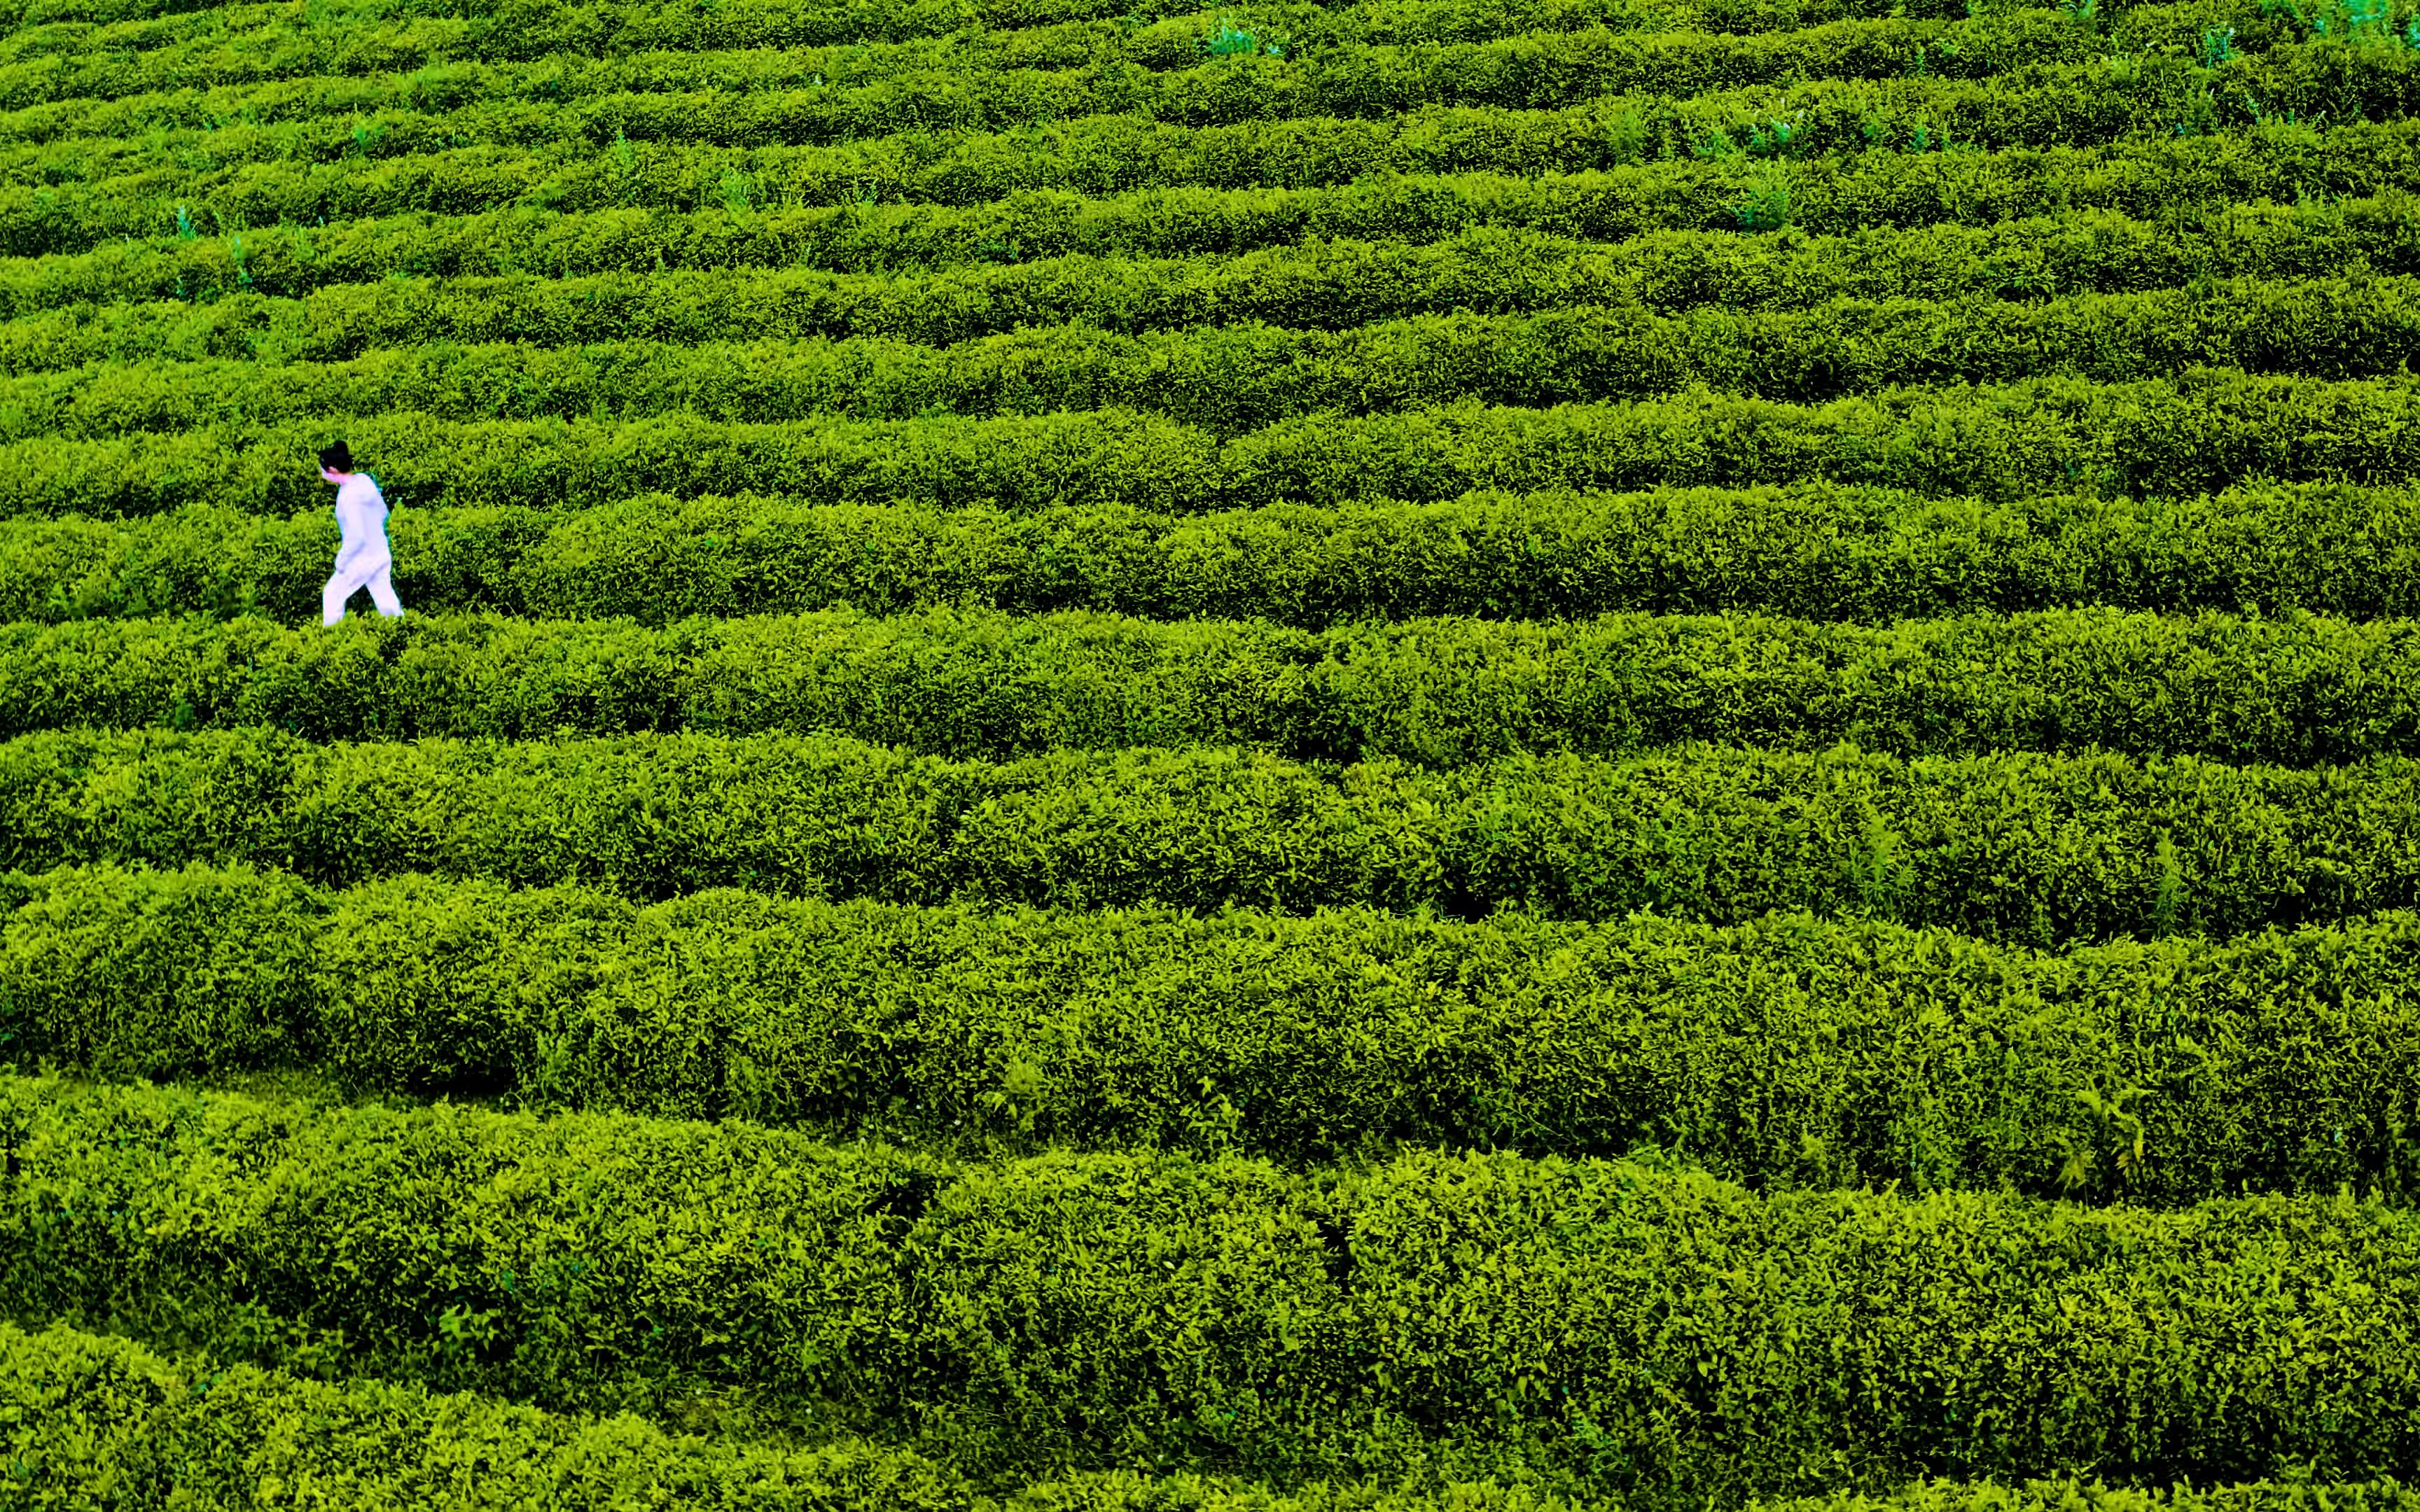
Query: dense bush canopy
(1371,756)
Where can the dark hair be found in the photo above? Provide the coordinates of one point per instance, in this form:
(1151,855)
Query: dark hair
(337,458)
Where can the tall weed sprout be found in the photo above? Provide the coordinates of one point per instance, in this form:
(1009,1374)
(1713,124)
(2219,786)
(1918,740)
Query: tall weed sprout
(1231,40)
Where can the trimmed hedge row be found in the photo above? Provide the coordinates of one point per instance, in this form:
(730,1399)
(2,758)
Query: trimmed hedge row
(1783,1053)
(1123,155)
(1021,462)
(2021,848)
(835,273)
(2024,77)
(1433,692)
(1817,551)
(534,28)
(2197,433)
(1846,84)
(959,84)
(529,27)
(1665,1338)
(427,42)
(1228,379)
(204,85)
(91,1414)
(99,1411)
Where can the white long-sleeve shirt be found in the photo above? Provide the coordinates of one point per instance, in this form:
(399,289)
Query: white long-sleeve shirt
(361,513)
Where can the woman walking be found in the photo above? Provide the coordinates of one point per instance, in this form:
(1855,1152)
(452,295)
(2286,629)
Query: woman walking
(363,560)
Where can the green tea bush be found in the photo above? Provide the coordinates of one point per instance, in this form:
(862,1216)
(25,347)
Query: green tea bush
(1024,461)
(505,26)
(1228,379)
(110,93)
(1907,182)
(969,684)
(2024,847)
(535,27)
(1395,757)
(95,1410)
(206,970)
(1372,251)
(2199,433)
(1786,1052)
(437,33)
(91,1410)
(2015,77)
(1622,1330)
(1347,60)
(1820,551)
(848,93)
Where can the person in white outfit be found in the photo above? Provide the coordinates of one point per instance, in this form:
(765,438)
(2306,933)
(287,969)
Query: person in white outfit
(364,560)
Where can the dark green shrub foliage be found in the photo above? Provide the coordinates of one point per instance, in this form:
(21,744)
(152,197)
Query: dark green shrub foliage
(703,91)
(1788,1050)
(1816,551)
(1433,692)
(2195,433)
(2061,143)
(96,1412)
(1149,261)
(2021,848)
(1444,1311)
(1315,756)
(204,971)
(93,1411)
(509,354)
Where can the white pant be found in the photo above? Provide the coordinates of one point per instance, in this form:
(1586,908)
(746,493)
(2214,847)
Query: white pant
(351,576)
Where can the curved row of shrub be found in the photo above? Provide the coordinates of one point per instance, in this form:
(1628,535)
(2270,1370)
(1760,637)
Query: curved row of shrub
(789,125)
(1816,551)
(1665,1338)
(1301,60)
(505,27)
(1874,84)
(201,82)
(1788,1052)
(95,1410)
(838,273)
(1832,88)
(455,48)
(1230,380)
(152,103)
(2199,433)
(1433,692)
(2025,847)
(1117,155)
(77,48)
(795,98)
(524,29)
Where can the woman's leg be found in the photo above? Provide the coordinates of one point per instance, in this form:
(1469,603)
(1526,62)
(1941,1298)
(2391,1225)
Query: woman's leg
(382,586)
(332,599)
(349,577)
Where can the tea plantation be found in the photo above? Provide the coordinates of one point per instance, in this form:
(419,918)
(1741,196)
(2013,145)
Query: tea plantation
(1387,756)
